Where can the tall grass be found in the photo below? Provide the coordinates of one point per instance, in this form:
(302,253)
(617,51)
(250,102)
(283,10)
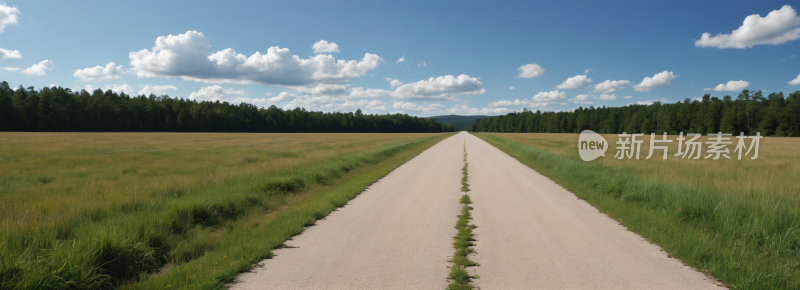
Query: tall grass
(111,216)
(747,239)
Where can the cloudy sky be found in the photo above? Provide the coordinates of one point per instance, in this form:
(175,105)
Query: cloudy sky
(421,58)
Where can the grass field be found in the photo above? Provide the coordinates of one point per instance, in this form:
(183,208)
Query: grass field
(133,210)
(738,220)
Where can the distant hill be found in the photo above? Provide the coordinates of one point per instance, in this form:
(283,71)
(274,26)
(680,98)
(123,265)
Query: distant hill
(461,121)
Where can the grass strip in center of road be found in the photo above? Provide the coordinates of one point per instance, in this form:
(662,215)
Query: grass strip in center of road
(464,239)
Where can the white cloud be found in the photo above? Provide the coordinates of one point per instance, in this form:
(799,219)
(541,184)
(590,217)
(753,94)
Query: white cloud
(795,81)
(443,87)
(607,97)
(512,88)
(530,70)
(331,103)
(157,90)
(188,56)
(323,46)
(11,68)
(540,100)
(730,86)
(7,54)
(650,102)
(39,68)
(495,111)
(394,83)
(422,64)
(627,97)
(120,88)
(576,82)
(99,73)
(282,97)
(429,109)
(8,15)
(587,71)
(462,110)
(779,26)
(321,89)
(580,99)
(402,59)
(549,96)
(610,86)
(660,79)
(215,93)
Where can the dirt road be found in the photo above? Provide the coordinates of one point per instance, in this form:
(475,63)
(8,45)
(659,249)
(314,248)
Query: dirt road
(532,234)
(395,235)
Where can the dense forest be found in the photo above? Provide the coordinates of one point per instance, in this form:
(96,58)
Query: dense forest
(60,109)
(462,122)
(750,112)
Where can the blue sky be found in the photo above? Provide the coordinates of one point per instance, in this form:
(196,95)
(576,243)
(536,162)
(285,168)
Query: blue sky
(458,57)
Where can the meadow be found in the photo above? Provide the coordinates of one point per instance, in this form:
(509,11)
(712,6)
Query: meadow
(136,210)
(738,220)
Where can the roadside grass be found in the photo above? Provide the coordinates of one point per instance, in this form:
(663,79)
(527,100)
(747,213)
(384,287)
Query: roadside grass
(464,239)
(89,211)
(746,236)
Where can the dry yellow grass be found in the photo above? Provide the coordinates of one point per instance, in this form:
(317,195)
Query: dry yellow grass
(773,173)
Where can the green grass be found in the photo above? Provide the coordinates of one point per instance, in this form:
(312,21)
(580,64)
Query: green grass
(198,229)
(748,241)
(464,239)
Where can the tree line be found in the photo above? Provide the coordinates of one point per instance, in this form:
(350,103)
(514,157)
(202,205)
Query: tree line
(60,109)
(750,112)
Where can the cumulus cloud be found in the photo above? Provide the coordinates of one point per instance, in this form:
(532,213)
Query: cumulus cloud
(323,46)
(39,68)
(99,73)
(215,93)
(607,97)
(730,86)
(580,99)
(7,54)
(422,64)
(649,102)
(157,90)
(320,89)
(429,109)
(188,56)
(530,70)
(11,68)
(512,88)
(462,110)
(443,87)
(660,79)
(576,82)
(549,96)
(282,97)
(327,103)
(610,86)
(586,71)
(780,26)
(120,88)
(627,97)
(402,59)
(8,15)
(795,81)
(393,82)
(540,100)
